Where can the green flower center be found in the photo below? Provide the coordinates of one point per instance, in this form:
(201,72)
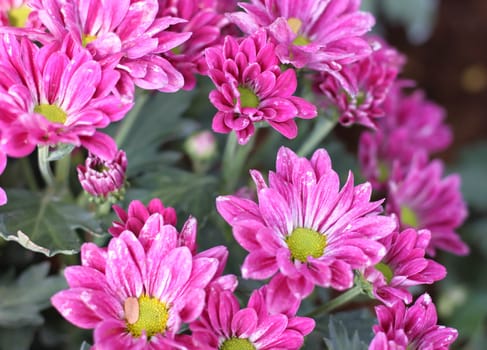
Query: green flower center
(386,271)
(248,98)
(18,16)
(295,24)
(383,172)
(87,38)
(409,217)
(145,314)
(52,113)
(237,344)
(303,242)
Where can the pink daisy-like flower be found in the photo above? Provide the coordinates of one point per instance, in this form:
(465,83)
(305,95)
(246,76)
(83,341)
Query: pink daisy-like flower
(205,23)
(369,79)
(305,227)
(412,328)
(422,199)
(412,125)
(142,298)
(127,33)
(321,35)
(104,179)
(137,214)
(251,88)
(55,94)
(403,266)
(223,325)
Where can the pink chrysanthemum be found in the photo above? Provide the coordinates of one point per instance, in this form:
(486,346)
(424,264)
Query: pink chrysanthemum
(369,80)
(55,94)
(321,35)
(412,328)
(127,33)
(304,227)
(403,266)
(223,325)
(422,199)
(142,298)
(411,125)
(205,23)
(251,88)
(104,179)
(3,164)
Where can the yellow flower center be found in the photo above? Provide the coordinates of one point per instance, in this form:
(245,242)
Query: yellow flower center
(51,112)
(303,242)
(237,344)
(409,217)
(247,97)
(383,172)
(386,271)
(18,16)
(145,314)
(295,24)
(87,38)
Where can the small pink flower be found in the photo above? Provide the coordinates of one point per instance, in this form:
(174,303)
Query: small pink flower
(224,325)
(55,94)
(137,214)
(321,35)
(251,88)
(411,328)
(104,179)
(369,80)
(142,298)
(305,227)
(403,266)
(422,199)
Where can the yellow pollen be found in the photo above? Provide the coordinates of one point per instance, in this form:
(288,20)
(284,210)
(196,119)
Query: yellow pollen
(51,112)
(295,24)
(303,242)
(237,344)
(145,314)
(87,38)
(248,98)
(18,16)
(409,217)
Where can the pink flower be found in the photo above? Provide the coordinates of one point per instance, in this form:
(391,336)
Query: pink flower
(142,298)
(223,325)
(127,33)
(104,179)
(55,94)
(369,80)
(403,266)
(411,328)
(3,164)
(304,227)
(422,199)
(205,23)
(321,35)
(137,214)
(413,125)
(251,88)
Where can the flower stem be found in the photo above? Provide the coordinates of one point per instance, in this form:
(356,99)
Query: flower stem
(234,158)
(322,128)
(29,174)
(44,167)
(130,118)
(63,167)
(337,302)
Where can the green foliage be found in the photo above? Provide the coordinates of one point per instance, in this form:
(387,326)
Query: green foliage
(44,222)
(339,338)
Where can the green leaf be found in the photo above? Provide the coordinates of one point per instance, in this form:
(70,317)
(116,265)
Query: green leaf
(17,338)
(44,223)
(85,346)
(60,151)
(22,299)
(339,338)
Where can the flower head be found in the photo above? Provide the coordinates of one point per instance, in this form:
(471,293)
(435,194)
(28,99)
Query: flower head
(369,81)
(321,35)
(104,179)
(304,227)
(55,94)
(251,88)
(422,199)
(224,325)
(142,297)
(404,265)
(411,328)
